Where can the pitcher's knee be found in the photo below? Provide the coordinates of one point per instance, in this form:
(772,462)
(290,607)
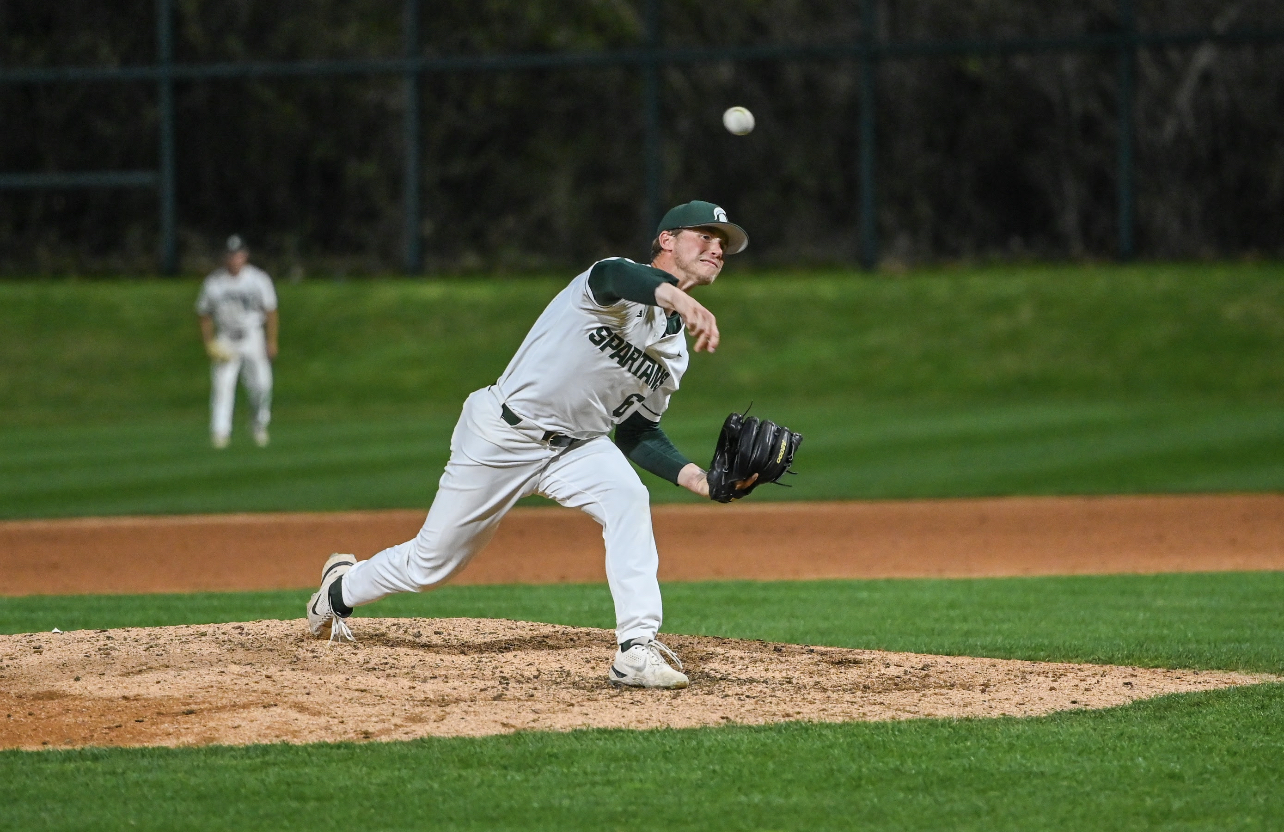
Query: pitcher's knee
(631,495)
(419,564)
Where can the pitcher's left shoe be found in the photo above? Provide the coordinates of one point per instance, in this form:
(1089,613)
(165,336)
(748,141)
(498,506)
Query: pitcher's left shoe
(323,622)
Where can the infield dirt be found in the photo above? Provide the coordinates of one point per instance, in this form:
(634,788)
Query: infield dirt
(765,541)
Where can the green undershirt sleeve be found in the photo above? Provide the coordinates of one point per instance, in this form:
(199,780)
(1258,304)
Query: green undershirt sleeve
(649,448)
(614,280)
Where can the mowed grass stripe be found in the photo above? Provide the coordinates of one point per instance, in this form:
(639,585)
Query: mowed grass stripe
(878,452)
(1084,448)
(119,348)
(1229,621)
(169,468)
(1007,380)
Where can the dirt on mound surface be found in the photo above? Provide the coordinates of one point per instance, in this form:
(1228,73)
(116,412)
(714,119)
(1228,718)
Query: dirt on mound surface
(267,681)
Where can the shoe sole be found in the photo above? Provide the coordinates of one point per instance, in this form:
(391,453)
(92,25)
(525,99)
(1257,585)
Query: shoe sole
(621,683)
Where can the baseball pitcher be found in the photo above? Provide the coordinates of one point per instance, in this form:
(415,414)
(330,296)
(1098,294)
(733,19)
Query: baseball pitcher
(237,308)
(607,354)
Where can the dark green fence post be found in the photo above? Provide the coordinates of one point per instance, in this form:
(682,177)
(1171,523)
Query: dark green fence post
(651,108)
(1127,64)
(413,149)
(868,150)
(165,57)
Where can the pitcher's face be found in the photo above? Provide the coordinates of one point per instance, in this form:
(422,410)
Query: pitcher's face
(697,252)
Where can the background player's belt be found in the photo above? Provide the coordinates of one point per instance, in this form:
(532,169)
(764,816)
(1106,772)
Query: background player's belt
(556,440)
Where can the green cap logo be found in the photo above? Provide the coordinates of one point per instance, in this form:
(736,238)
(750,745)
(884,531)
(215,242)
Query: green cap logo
(697,214)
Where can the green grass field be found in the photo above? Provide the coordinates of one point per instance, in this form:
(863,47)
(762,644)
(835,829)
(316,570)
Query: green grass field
(1205,761)
(1012,380)
(1045,380)
(852,451)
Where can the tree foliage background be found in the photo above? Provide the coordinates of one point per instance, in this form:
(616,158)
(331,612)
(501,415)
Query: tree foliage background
(978,157)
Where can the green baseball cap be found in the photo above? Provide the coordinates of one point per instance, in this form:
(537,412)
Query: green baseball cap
(697,214)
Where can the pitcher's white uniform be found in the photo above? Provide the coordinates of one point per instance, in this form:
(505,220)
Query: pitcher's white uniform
(543,429)
(606,355)
(239,305)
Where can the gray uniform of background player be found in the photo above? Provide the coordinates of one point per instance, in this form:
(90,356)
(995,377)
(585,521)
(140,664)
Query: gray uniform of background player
(238,310)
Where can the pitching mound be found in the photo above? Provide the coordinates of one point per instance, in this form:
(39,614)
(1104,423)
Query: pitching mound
(267,682)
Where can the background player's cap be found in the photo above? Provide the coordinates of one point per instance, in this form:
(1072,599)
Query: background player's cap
(235,243)
(697,213)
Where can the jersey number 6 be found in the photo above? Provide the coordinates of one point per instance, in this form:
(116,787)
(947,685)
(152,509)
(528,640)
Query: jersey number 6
(633,399)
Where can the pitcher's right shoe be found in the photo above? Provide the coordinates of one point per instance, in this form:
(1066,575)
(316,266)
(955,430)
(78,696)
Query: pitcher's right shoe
(644,666)
(322,620)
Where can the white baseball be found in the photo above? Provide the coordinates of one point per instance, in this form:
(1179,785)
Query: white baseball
(738,121)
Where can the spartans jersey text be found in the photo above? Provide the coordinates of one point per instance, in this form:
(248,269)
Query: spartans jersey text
(645,368)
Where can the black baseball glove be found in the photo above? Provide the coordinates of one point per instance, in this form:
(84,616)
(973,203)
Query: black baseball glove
(748,446)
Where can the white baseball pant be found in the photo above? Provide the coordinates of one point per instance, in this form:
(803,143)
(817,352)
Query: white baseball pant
(493,465)
(250,362)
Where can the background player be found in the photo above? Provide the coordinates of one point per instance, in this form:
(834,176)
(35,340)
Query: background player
(237,303)
(607,353)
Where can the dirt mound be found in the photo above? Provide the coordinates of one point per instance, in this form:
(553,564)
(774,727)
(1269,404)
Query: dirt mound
(266,681)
